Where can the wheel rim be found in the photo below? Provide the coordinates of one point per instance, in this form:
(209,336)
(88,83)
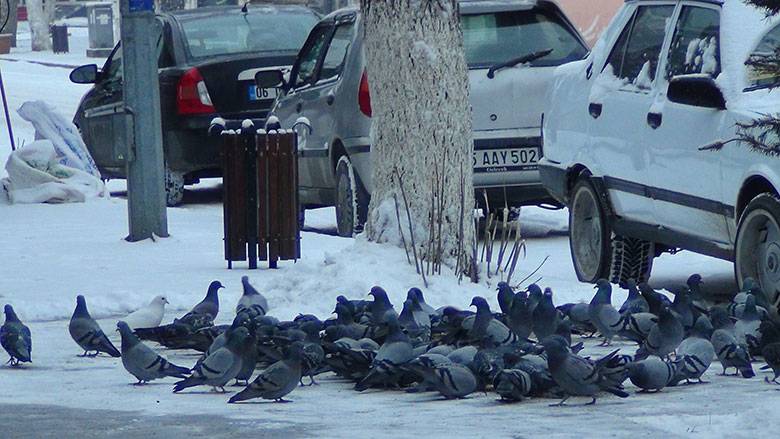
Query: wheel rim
(344,206)
(758,252)
(586,233)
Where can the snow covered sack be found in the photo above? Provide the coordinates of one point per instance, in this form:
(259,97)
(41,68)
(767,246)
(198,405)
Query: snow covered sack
(35,175)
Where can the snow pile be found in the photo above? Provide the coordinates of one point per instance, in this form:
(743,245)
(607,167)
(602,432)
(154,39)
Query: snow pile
(36,175)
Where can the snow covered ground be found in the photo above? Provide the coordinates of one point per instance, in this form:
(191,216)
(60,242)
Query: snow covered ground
(51,253)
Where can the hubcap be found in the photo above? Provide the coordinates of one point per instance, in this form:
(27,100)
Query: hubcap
(758,251)
(586,233)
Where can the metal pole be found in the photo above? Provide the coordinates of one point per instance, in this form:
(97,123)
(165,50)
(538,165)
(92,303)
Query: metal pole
(140,33)
(7,114)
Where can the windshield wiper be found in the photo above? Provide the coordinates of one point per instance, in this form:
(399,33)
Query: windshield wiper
(521,60)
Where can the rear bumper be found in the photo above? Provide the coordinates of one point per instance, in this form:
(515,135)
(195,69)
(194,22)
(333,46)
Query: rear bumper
(513,196)
(554,181)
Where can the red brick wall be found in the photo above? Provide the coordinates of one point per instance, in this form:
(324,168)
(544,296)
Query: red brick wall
(590,16)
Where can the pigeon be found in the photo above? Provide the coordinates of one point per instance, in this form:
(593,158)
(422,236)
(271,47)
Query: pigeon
(220,366)
(651,374)
(418,294)
(505,297)
(698,298)
(251,301)
(771,354)
(634,303)
(746,329)
(664,337)
(520,319)
(453,381)
(484,329)
(602,314)
(142,362)
(655,300)
(535,295)
(210,304)
(579,317)
(277,380)
(415,321)
(695,353)
(380,306)
(577,376)
(730,353)
(422,366)
(148,316)
(345,325)
(249,354)
(512,384)
(545,316)
(86,332)
(637,326)
(682,308)
(394,352)
(15,338)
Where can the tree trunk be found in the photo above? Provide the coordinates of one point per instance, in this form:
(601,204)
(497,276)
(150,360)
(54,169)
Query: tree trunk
(40,14)
(10,27)
(421,130)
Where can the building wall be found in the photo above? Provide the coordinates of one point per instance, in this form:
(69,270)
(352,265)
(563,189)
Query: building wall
(591,16)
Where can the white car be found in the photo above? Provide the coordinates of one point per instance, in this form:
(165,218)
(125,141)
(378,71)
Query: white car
(638,142)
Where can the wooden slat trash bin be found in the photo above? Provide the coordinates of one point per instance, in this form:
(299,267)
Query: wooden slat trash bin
(260,193)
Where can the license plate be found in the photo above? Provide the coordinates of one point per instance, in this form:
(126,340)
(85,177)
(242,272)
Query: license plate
(506,159)
(262,94)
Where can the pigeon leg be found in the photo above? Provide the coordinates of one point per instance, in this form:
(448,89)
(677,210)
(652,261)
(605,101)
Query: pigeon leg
(561,403)
(768,381)
(701,381)
(592,401)
(83,355)
(94,355)
(313,383)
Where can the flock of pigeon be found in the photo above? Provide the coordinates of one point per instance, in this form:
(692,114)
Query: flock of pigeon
(523,351)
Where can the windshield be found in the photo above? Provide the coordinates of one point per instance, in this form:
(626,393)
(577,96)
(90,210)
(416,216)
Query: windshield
(257,31)
(761,71)
(498,37)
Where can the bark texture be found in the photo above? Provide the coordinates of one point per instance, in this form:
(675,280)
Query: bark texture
(40,14)
(11,25)
(421,130)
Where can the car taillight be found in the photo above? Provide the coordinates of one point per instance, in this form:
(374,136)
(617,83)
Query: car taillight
(364,98)
(192,96)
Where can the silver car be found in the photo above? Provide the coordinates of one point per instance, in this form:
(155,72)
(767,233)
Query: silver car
(512,48)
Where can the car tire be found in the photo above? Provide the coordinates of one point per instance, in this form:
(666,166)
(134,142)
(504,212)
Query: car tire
(351,200)
(632,258)
(174,187)
(590,236)
(757,250)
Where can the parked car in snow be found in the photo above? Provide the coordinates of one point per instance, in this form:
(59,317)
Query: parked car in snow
(637,142)
(512,48)
(208,58)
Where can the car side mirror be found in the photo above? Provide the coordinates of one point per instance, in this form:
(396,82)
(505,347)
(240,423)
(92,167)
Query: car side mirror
(87,74)
(269,79)
(696,90)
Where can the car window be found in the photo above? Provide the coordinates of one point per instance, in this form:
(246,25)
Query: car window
(112,69)
(336,55)
(307,60)
(767,48)
(496,37)
(634,58)
(259,30)
(695,45)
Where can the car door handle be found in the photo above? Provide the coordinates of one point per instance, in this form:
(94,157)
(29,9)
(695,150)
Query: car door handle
(298,107)
(654,119)
(330,99)
(595,110)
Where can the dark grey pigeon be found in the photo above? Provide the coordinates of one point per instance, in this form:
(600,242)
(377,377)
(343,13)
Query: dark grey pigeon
(451,380)
(637,326)
(579,316)
(634,303)
(144,363)
(535,295)
(15,338)
(277,380)
(220,366)
(651,374)
(380,306)
(545,316)
(746,329)
(577,376)
(86,332)
(485,330)
(210,304)
(664,337)
(730,353)
(505,297)
(519,319)
(513,384)
(345,325)
(418,294)
(395,351)
(602,314)
(251,302)
(695,353)
(683,308)
(655,300)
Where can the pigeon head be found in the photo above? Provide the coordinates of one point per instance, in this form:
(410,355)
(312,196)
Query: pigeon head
(703,327)
(415,294)
(535,291)
(548,292)
(694,280)
(160,301)
(237,337)
(555,346)
(296,351)
(750,312)
(603,283)
(748,284)
(215,286)
(312,328)
(379,294)
(81,307)
(10,315)
(342,300)
(480,303)
(343,312)
(390,319)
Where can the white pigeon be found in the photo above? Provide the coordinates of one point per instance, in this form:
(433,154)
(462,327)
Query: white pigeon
(149,316)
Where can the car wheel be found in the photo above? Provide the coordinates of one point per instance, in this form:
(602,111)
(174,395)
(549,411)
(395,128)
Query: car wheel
(590,237)
(757,250)
(174,187)
(351,200)
(631,259)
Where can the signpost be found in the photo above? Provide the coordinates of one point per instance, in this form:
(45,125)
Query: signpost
(140,33)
